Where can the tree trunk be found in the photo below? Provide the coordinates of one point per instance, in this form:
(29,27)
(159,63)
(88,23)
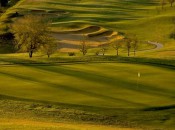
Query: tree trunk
(48,54)
(162,6)
(30,54)
(117,52)
(134,52)
(128,51)
(171,4)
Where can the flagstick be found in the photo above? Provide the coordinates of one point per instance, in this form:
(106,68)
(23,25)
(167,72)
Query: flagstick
(138,79)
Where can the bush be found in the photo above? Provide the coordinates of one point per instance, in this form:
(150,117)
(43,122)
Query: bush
(97,53)
(71,53)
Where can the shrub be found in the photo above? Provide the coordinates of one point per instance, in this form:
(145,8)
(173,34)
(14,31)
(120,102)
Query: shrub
(97,53)
(71,53)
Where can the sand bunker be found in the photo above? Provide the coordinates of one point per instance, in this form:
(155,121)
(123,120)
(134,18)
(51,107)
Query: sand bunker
(94,36)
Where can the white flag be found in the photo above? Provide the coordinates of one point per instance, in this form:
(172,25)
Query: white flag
(139,74)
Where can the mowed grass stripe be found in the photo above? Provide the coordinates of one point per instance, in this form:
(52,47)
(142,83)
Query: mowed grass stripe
(93,83)
(72,89)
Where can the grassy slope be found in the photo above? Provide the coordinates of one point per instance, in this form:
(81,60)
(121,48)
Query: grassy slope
(76,87)
(128,16)
(85,85)
(144,18)
(133,16)
(50,83)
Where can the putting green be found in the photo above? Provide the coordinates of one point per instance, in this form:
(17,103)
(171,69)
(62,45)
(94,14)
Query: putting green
(97,84)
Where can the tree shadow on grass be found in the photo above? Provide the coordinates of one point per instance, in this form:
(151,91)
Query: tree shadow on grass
(109,81)
(70,89)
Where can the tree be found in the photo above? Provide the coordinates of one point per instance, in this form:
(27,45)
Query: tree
(103,50)
(13,2)
(50,47)
(117,44)
(171,2)
(163,3)
(134,44)
(30,33)
(172,35)
(128,44)
(3,3)
(83,46)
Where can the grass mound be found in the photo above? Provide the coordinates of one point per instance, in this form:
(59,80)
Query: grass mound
(85,30)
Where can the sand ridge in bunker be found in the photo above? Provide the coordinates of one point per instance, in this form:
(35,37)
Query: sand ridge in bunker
(95,36)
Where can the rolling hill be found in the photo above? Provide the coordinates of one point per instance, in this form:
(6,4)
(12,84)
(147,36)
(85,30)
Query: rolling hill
(91,92)
(146,19)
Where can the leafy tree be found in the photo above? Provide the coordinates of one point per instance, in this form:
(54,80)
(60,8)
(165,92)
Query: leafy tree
(50,46)
(30,33)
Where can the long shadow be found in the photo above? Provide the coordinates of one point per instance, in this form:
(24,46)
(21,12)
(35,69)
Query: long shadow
(160,108)
(113,5)
(100,109)
(162,63)
(70,89)
(109,81)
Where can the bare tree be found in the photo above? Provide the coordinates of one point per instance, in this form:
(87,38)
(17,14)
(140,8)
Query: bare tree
(104,46)
(117,44)
(163,3)
(134,44)
(103,50)
(83,46)
(171,2)
(172,35)
(128,42)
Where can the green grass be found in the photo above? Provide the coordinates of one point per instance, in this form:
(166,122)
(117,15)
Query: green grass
(124,16)
(86,81)
(144,18)
(105,92)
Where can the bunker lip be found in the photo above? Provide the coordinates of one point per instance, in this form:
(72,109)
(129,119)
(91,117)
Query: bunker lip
(96,36)
(86,30)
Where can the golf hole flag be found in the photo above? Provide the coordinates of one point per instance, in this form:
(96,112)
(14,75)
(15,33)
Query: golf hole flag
(139,74)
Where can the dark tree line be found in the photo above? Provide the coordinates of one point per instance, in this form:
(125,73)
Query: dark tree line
(3,3)
(163,2)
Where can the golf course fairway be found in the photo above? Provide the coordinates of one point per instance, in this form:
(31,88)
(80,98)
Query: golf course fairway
(111,85)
